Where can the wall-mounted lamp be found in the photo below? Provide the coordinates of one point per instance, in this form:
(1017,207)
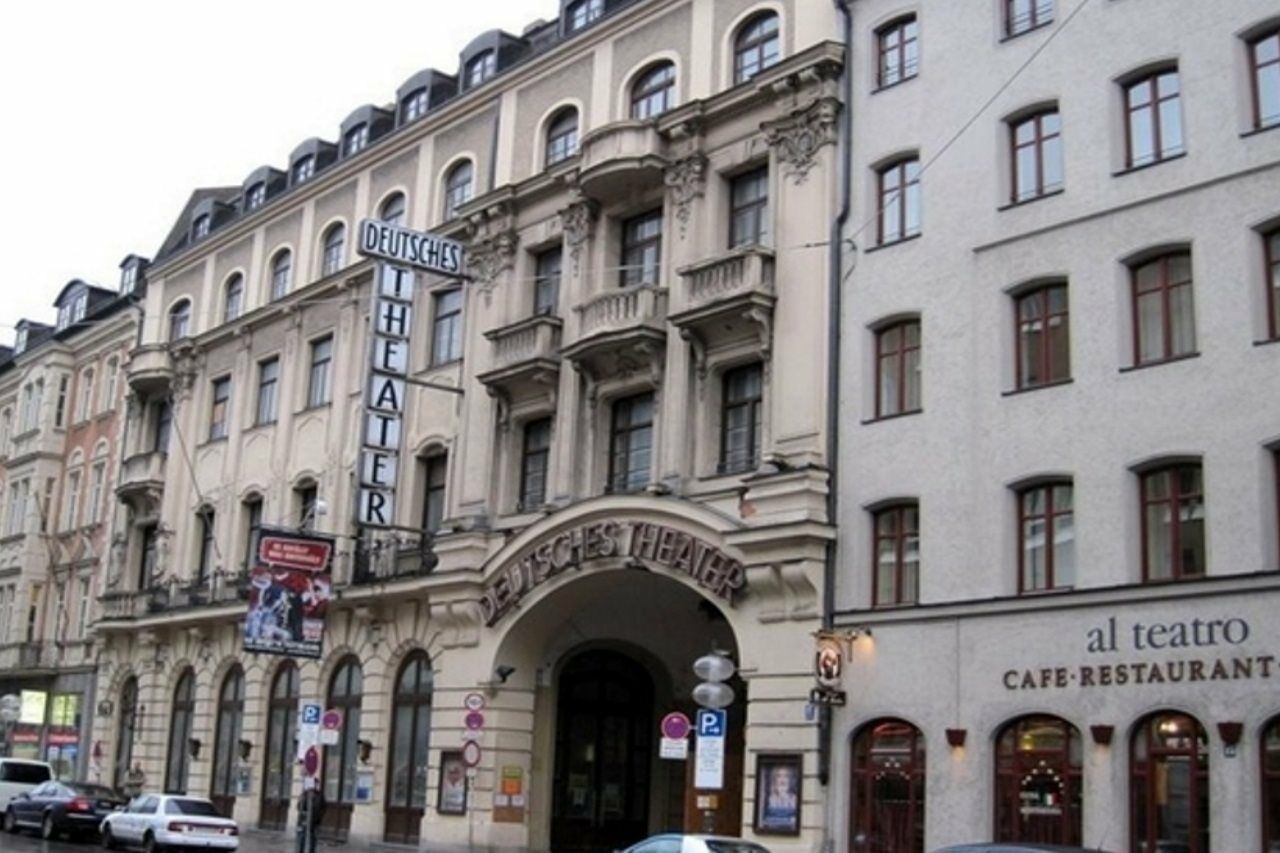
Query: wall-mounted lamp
(193,747)
(502,672)
(1102,734)
(366,749)
(1230,734)
(246,749)
(955,737)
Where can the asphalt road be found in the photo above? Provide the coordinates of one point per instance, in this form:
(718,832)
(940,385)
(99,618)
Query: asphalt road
(29,842)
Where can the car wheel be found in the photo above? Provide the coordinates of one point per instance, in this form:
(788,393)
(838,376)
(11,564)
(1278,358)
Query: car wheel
(107,841)
(10,822)
(48,831)
(149,844)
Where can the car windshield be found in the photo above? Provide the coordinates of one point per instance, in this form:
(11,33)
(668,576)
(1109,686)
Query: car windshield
(716,846)
(194,808)
(84,789)
(23,773)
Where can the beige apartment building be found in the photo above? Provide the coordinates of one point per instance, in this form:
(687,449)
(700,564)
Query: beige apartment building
(613,461)
(62,391)
(1059,421)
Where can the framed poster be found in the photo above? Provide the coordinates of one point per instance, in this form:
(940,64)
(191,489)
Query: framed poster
(778,794)
(452,797)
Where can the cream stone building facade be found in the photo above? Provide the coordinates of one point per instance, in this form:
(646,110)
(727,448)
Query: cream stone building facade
(631,473)
(1059,427)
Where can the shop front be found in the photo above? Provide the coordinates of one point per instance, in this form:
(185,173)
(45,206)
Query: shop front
(49,722)
(1136,720)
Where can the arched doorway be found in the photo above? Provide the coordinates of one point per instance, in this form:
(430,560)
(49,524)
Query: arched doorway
(407,773)
(1271,784)
(180,745)
(1038,761)
(124,731)
(282,722)
(1169,784)
(226,745)
(888,788)
(340,761)
(604,748)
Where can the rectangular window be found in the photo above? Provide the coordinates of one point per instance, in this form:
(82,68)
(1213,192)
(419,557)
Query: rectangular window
(631,443)
(446,337)
(641,249)
(112,387)
(1163,312)
(219,408)
(898,369)
(163,426)
(899,50)
(71,502)
(60,414)
(1173,514)
(896,556)
(1046,538)
(205,563)
(1264,56)
(899,208)
(97,485)
(1043,337)
(435,477)
(82,617)
(252,527)
(1020,16)
(308,498)
(749,213)
(534,459)
(318,384)
(1153,108)
(1271,248)
(1037,156)
(268,384)
(85,407)
(546,282)
(147,557)
(742,407)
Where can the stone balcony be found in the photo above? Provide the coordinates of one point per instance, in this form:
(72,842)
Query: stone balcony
(26,656)
(150,369)
(727,298)
(620,157)
(620,330)
(175,598)
(142,481)
(526,357)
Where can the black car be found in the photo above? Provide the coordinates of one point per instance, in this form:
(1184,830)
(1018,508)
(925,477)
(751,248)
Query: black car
(58,808)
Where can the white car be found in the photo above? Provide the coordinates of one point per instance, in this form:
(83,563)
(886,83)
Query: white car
(158,822)
(18,776)
(676,843)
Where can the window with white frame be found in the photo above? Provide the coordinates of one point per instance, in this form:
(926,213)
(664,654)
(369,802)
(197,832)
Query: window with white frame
(319,382)
(71,502)
(84,408)
(446,336)
(335,241)
(97,487)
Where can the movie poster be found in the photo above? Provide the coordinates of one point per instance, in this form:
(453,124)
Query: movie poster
(289,593)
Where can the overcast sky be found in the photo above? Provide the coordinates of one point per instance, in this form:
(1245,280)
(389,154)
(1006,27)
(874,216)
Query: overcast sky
(115,111)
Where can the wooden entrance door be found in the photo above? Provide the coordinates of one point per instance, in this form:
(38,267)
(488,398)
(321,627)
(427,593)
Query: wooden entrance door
(604,749)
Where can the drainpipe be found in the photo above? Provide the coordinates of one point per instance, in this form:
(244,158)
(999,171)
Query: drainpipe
(835,251)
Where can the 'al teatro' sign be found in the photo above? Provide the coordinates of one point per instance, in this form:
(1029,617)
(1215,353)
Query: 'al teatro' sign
(675,550)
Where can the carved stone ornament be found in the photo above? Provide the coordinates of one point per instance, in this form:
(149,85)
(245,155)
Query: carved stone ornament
(799,137)
(577,221)
(489,258)
(687,180)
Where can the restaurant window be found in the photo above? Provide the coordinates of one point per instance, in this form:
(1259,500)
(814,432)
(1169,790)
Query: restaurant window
(282,729)
(318,380)
(1169,784)
(1036,143)
(1271,248)
(888,789)
(227,732)
(178,762)
(341,764)
(267,407)
(1173,518)
(896,555)
(446,329)
(1046,538)
(899,201)
(562,136)
(898,46)
(535,456)
(180,320)
(1164,325)
(335,241)
(1153,119)
(409,776)
(741,418)
(631,443)
(1038,781)
(435,471)
(898,369)
(548,268)
(1271,785)
(749,208)
(1264,59)
(1022,16)
(641,249)
(654,91)
(1042,337)
(756,47)
(457,188)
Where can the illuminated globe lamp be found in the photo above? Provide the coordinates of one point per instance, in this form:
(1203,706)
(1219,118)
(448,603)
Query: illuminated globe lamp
(714,669)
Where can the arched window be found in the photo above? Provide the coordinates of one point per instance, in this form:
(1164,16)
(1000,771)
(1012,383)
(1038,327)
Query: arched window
(393,209)
(407,776)
(179,758)
(227,739)
(562,136)
(335,241)
(1038,762)
(654,91)
(1271,785)
(888,788)
(1169,784)
(125,729)
(580,14)
(281,272)
(341,761)
(180,320)
(233,298)
(282,713)
(457,188)
(756,47)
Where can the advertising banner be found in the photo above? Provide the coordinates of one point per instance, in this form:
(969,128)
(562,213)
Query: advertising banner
(289,592)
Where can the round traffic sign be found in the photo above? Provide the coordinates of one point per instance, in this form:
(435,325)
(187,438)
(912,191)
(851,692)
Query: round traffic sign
(474,720)
(311,761)
(332,720)
(471,753)
(474,702)
(676,726)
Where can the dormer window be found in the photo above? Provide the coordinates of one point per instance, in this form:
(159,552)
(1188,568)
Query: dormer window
(481,68)
(355,140)
(20,342)
(128,279)
(256,197)
(304,169)
(584,12)
(414,106)
(200,228)
(73,310)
